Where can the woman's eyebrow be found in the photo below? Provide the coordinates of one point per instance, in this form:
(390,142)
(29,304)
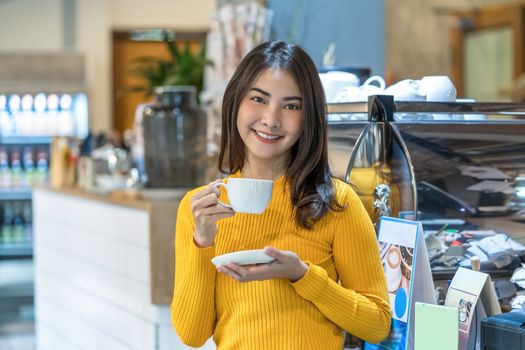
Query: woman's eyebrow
(266,93)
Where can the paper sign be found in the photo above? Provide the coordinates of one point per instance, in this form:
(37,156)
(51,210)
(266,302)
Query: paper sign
(436,327)
(402,249)
(473,293)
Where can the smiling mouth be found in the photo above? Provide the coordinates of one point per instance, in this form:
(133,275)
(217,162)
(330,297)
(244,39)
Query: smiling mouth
(266,137)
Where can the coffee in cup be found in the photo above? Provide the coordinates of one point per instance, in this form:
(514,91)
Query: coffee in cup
(247,195)
(394,257)
(393,268)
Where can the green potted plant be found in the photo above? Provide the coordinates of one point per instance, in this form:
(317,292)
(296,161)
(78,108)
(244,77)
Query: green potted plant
(183,67)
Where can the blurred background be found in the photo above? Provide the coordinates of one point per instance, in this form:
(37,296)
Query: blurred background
(79,94)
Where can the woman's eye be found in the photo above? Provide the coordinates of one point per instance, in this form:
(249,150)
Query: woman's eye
(293,107)
(257,99)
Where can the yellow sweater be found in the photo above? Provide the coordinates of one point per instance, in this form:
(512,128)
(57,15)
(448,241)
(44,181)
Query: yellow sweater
(278,314)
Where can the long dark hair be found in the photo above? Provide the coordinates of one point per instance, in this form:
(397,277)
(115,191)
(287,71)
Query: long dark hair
(308,173)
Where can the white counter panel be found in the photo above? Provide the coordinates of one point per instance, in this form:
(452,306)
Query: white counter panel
(93,284)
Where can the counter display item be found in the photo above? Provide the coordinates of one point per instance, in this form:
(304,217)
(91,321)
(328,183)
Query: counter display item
(409,279)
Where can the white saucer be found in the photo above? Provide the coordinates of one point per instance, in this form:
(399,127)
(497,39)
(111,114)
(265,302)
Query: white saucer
(243,257)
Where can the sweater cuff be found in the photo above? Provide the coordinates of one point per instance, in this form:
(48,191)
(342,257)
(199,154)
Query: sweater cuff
(203,256)
(313,282)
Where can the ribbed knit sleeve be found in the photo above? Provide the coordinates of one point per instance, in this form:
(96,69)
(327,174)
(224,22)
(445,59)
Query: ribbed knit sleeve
(359,304)
(193,307)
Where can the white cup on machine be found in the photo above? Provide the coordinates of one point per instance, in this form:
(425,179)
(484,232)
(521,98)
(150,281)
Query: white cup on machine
(361,93)
(406,90)
(247,195)
(438,88)
(335,81)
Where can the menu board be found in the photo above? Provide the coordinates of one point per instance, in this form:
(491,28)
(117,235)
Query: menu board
(408,276)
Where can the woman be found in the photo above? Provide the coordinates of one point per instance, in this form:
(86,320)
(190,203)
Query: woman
(327,275)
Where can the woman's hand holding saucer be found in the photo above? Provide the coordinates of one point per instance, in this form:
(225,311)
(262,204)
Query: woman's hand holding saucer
(286,265)
(206,213)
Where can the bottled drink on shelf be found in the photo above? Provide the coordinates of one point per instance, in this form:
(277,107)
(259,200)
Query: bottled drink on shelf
(29,165)
(5,172)
(26,123)
(42,167)
(40,113)
(65,118)
(17,175)
(1,223)
(16,222)
(6,120)
(52,114)
(27,216)
(18,229)
(6,234)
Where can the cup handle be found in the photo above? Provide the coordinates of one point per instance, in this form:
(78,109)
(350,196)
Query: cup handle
(377,78)
(217,185)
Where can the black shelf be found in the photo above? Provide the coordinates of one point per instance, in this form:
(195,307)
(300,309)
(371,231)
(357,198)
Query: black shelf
(15,194)
(16,250)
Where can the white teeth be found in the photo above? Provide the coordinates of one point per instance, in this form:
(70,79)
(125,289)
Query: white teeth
(266,136)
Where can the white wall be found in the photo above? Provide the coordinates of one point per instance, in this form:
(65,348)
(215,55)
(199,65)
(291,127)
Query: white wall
(38,25)
(185,14)
(30,25)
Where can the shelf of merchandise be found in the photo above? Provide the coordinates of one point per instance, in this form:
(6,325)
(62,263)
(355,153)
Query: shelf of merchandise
(15,194)
(16,250)
(25,140)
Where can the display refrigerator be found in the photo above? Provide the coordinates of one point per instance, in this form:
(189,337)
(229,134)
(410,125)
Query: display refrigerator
(458,167)
(28,123)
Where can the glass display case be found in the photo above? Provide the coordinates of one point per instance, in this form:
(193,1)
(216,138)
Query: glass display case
(459,168)
(28,122)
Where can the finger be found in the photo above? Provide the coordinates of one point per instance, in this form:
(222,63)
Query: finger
(239,270)
(219,209)
(257,272)
(202,193)
(210,200)
(220,216)
(215,189)
(229,272)
(207,190)
(275,253)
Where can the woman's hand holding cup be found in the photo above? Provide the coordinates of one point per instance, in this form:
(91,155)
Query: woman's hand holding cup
(206,213)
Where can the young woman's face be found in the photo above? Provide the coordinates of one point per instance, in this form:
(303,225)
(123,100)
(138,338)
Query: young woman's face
(270,117)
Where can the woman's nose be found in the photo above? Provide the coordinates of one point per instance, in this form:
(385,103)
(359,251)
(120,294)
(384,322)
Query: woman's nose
(271,118)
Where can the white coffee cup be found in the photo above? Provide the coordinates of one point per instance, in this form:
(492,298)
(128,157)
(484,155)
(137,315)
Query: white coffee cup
(361,93)
(438,88)
(406,90)
(335,81)
(247,195)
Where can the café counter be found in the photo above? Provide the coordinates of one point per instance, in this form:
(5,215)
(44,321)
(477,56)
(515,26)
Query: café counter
(104,268)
